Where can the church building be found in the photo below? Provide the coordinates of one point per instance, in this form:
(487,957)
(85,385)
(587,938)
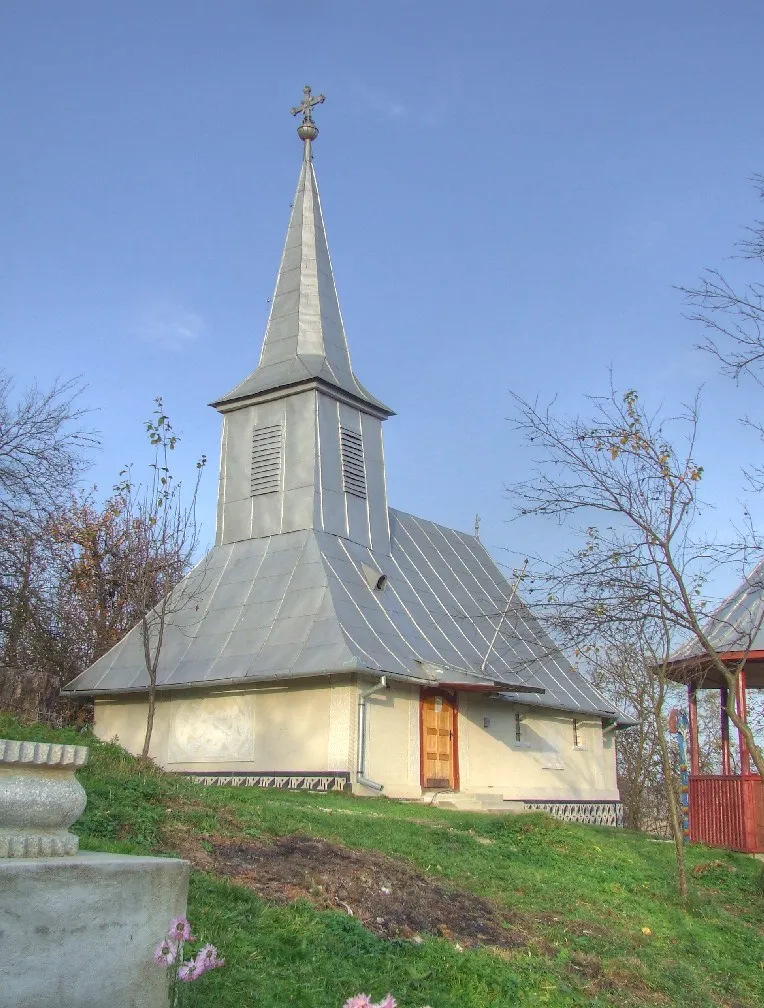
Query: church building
(331,641)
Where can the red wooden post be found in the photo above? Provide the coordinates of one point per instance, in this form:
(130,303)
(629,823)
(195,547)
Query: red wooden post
(742,713)
(692,701)
(725,728)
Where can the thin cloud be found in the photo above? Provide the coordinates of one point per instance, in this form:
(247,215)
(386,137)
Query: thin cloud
(380,104)
(169,327)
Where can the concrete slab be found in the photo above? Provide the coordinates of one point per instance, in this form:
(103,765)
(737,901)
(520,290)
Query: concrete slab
(79,931)
(464,802)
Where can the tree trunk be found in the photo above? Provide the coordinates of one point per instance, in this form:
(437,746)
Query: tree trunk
(152,662)
(675,821)
(149,718)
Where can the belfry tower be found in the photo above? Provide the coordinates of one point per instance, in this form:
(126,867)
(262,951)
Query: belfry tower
(302,438)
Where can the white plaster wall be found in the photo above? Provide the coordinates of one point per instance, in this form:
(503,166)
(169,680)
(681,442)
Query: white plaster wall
(312,725)
(305,726)
(393,740)
(341,747)
(609,768)
(544,764)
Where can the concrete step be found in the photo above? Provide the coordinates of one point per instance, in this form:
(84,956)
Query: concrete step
(464,802)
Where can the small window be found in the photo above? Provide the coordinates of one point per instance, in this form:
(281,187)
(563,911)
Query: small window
(266,460)
(576,734)
(518,727)
(353,467)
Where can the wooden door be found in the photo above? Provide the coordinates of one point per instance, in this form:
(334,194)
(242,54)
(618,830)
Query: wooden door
(439,739)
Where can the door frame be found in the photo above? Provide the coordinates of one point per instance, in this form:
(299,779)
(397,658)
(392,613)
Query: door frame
(452,697)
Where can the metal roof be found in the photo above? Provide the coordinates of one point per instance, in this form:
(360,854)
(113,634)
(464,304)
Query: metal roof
(305,335)
(735,629)
(737,623)
(304,603)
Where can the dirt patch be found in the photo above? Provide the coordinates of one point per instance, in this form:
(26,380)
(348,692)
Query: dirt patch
(589,966)
(186,843)
(628,983)
(390,899)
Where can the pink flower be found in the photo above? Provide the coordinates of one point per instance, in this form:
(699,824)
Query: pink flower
(180,930)
(388,1002)
(210,955)
(206,959)
(165,952)
(358,1001)
(186,971)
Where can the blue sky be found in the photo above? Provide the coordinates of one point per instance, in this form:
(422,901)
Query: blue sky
(511,190)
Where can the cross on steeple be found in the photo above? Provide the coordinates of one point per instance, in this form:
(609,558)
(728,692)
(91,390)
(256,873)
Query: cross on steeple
(307,130)
(306,105)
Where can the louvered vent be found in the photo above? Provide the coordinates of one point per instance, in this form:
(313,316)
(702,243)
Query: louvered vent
(266,459)
(353,471)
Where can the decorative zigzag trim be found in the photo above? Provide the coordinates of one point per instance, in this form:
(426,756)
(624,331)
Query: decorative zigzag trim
(333,781)
(609,813)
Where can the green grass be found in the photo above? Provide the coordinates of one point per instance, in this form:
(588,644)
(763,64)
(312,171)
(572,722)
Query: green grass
(583,894)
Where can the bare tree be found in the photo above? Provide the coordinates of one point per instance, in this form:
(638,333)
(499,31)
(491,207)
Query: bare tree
(619,673)
(638,572)
(167,535)
(734,315)
(643,650)
(76,575)
(98,556)
(646,568)
(43,448)
(20,596)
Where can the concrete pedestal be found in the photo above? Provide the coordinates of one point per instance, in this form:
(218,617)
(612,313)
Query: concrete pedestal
(79,931)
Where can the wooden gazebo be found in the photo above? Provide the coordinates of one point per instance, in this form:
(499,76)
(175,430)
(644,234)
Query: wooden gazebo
(726,809)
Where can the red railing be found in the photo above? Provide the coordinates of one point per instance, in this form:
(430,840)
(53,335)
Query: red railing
(728,812)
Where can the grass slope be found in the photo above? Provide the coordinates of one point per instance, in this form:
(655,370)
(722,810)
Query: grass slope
(583,894)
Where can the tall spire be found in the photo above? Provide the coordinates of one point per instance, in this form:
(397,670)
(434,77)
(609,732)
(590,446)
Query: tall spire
(305,336)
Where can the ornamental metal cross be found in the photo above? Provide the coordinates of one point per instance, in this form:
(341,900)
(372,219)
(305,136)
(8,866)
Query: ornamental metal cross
(307,104)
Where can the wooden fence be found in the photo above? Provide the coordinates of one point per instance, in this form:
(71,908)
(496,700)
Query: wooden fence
(728,812)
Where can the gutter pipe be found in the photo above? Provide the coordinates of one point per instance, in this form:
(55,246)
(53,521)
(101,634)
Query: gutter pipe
(363,696)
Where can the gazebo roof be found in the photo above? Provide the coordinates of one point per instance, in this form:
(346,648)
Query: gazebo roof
(736,630)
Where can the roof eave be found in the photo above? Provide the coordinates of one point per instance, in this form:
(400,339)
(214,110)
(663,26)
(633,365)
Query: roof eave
(206,684)
(228,403)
